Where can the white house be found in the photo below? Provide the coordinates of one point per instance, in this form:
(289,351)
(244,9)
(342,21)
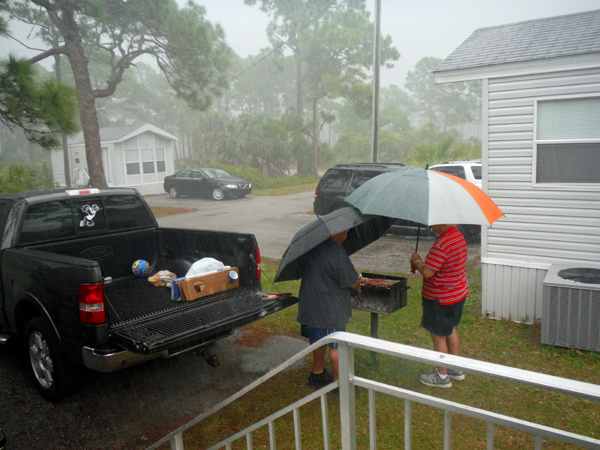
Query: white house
(541,151)
(137,156)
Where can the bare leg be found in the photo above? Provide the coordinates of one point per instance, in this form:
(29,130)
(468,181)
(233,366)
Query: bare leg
(452,343)
(319,359)
(440,345)
(335,362)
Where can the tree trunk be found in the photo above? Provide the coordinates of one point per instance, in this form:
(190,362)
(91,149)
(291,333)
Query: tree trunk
(85,96)
(299,89)
(315,137)
(67,168)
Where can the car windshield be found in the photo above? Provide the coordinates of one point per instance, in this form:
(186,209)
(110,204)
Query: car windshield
(476,172)
(215,173)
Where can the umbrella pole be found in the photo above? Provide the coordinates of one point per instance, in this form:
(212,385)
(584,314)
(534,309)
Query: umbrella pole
(413,269)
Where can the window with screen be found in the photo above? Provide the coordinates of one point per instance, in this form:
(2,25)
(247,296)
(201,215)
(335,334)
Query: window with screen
(567,141)
(132,162)
(161,165)
(148,160)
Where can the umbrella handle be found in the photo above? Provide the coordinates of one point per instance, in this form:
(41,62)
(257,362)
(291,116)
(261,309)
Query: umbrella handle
(413,269)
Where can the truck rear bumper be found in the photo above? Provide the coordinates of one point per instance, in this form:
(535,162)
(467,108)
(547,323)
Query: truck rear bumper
(111,361)
(115,359)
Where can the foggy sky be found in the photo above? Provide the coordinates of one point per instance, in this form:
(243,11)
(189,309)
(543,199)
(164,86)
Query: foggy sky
(418,28)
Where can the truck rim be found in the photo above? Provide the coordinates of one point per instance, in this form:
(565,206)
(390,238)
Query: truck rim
(40,359)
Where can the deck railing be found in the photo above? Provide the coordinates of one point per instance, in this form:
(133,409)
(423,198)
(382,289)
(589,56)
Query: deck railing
(347,343)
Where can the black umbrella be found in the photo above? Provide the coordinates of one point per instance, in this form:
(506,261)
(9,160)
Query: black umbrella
(364,229)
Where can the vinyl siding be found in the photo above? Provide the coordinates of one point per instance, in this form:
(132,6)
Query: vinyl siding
(543,225)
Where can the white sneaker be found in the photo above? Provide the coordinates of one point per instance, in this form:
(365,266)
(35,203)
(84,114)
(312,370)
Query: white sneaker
(456,375)
(434,380)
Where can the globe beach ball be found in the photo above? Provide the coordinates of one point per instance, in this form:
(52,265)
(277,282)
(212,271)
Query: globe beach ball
(140,268)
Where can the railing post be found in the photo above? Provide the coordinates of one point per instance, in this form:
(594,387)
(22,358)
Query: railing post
(177,442)
(407,425)
(372,420)
(347,397)
(490,436)
(447,430)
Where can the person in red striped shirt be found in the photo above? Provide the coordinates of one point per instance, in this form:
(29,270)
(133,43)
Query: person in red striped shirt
(444,293)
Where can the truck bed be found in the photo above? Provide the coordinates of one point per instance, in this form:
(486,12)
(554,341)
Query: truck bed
(144,319)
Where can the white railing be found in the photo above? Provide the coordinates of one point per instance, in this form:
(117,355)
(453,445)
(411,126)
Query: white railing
(347,343)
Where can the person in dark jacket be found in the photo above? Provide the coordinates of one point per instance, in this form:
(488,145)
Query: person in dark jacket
(324,302)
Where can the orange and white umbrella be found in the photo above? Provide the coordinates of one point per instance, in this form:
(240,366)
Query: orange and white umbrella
(425,196)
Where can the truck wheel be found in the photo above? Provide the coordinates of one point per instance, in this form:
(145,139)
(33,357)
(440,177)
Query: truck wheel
(173,192)
(218,194)
(47,361)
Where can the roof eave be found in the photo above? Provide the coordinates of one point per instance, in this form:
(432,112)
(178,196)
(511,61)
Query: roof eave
(545,65)
(144,128)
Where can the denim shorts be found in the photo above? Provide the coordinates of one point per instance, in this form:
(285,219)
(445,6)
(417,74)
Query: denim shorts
(441,319)
(315,334)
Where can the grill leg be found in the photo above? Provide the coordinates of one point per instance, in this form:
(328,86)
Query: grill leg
(374,332)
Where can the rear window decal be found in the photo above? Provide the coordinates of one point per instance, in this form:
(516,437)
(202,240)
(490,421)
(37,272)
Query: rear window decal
(90,211)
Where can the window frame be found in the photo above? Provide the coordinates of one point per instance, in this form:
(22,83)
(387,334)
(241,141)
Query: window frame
(131,163)
(536,142)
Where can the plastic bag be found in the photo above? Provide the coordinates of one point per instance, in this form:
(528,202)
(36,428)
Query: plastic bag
(162,278)
(205,265)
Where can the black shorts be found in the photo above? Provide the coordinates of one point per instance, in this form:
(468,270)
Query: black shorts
(441,319)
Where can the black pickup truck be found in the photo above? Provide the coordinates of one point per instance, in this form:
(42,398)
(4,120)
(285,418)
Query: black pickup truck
(69,293)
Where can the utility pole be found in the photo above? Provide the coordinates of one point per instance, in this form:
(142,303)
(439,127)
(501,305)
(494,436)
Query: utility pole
(376,56)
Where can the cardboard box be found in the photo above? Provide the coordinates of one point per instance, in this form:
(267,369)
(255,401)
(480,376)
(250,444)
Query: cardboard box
(211,283)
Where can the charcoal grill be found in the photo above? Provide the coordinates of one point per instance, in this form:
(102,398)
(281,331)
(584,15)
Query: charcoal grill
(382,300)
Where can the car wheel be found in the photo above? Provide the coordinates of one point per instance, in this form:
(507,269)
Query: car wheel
(173,192)
(218,194)
(48,363)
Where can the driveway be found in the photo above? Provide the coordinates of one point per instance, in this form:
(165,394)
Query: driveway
(275,220)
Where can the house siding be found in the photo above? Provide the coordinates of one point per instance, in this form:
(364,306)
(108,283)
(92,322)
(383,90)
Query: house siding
(543,225)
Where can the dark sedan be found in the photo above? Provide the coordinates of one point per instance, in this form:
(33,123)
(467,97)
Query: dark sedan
(215,183)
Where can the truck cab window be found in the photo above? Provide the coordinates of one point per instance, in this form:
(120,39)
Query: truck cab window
(126,212)
(46,221)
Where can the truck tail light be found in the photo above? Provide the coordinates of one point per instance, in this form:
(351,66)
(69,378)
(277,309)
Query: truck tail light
(91,303)
(257,258)
(315,196)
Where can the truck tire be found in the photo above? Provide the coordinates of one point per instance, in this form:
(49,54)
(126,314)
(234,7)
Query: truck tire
(47,362)
(218,194)
(173,192)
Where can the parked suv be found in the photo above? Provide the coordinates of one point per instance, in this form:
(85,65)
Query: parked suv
(469,170)
(340,181)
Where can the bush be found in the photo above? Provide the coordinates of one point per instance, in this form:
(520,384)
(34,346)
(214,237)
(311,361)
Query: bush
(26,177)
(261,181)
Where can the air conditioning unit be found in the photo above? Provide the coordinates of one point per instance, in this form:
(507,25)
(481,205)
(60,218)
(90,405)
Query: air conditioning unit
(571,306)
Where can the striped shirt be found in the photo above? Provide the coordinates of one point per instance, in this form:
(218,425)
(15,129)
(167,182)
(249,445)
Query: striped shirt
(447,258)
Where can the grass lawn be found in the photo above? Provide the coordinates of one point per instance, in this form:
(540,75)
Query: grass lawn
(500,342)
(287,190)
